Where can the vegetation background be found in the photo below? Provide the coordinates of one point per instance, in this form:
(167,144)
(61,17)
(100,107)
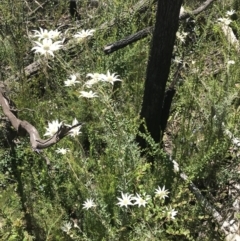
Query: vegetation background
(38,200)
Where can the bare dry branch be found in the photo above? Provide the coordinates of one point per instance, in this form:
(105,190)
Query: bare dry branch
(229,227)
(229,34)
(24,127)
(200,9)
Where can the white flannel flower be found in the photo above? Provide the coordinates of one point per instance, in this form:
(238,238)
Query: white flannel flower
(89,204)
(42,34)
(177,60)
(47,47)
(225,21)
(111,78)
(88,95)
(161,192)
(72,81)
(82,35)
(125,200)
(54,34)
(181,36)
(76,130)
(171,213)
(230,13)
(95,78)
(140,201)
(52,128)
(62,151)
(66,227)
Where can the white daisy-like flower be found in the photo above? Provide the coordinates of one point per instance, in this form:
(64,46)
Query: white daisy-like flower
(88,95)
(52,128)
(54,34)
(42,34)
(89,203)
(72,81)
(125,200)
(76,130)
(171,213)
(47,47)
(95,78)
(181,36)
(82,35)
(66,227)
(230,13)
(140,201)
(225,21)
(62,151)
(111,78)
(161,192)
(177,60)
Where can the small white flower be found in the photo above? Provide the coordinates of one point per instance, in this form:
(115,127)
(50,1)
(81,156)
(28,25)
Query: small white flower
(88,95)
(161,192)
(66,227)
(72,81)
(230,62)
(76,130)
(82,35)
(125,200)
(177,60)
(47,47)
(171,213)
(89,204)
(54,34)
(42,34)
(140,201)
(230,13)
(62,151)
(225,21)
(181,36)
(95,78)
(111,78)
(52,128)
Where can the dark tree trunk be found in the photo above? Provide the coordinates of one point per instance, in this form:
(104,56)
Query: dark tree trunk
(73,9)
(158,68)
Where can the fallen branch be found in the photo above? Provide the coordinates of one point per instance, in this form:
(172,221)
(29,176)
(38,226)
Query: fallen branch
(198,10)
(229,34)
(128,40)
(230,228)
(24,127)
(110,48)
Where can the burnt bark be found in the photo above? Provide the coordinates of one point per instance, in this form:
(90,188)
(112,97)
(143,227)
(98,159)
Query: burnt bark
(73,9)
(158,68)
